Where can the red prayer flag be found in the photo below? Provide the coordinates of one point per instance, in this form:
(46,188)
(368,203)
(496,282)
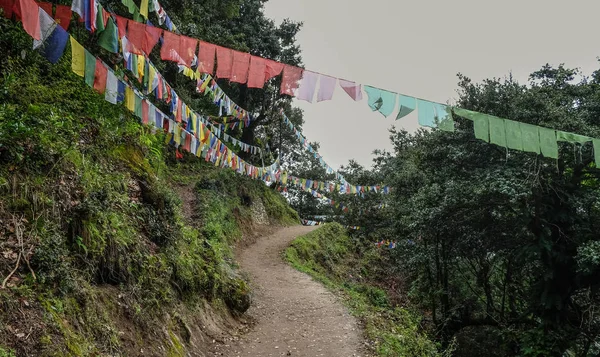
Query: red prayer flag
(239,68)
(145,111)
(46,6)
(105,16)
(121,25)
(100,76)
(188,142)
(7,5)
(170,47)
(63,16)
(135,36)
(224,62)
(206,57)
(28,12)
(290,79)
(187,47)
(152,35)
(178,116)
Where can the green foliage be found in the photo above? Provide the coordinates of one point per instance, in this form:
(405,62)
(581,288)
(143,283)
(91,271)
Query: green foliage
(333,258)
(495,241)
(104,228)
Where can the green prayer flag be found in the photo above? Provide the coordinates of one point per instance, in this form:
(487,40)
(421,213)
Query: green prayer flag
(531,137)
(597,151)
(138,106)
(109,38)
(90,68)
(571,137)
(481,125)
(497,131)
(131,7)
(134,65)
(548,144)
(407,105)
(514,137)
(99,20)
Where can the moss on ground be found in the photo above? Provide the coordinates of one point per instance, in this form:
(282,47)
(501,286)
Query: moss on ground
(330,256)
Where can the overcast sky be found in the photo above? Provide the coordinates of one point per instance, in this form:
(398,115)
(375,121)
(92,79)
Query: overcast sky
(418,47)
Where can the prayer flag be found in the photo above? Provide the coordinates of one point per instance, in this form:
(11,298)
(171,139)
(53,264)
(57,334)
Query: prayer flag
(514,136)
(77,7)
(47,26)
(206,57)
(90,68)
(77,58)
(144,8)
(481,125)
(497,131)
(135,36)
(151,37)
(326,88)
(407,106)
(170,47)
(382,101)
(530,137)
(572,138)
(596,151)
(54,46)
(7,6)
(548,145)
(239,68)
(28,12)
(100,76)
(109,38)
(63,16)
(224,62)
(46,6)
(112,87)
(352,89)
(308,84)
(187,49)
(289,81)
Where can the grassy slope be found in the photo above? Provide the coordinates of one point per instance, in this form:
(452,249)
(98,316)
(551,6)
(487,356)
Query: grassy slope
(110,264)
(330,256)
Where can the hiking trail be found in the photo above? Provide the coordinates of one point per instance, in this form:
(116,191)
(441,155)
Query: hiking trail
(292,314)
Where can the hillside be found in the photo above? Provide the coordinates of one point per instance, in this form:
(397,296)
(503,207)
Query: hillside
(110,246)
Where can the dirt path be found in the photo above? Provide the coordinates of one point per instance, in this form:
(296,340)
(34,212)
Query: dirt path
(294,315)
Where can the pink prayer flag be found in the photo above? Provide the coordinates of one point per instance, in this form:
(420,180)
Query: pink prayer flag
(289,80)
(272,69)
(306,91)
(256,75)
(28,12)
(326,88)
(353,89)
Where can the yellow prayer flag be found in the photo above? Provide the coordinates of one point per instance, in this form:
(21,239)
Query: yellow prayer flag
(77,58)
(129,99)
(141,63)
(144,8)
(151,76)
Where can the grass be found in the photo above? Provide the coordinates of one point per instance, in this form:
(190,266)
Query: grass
(331,257)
